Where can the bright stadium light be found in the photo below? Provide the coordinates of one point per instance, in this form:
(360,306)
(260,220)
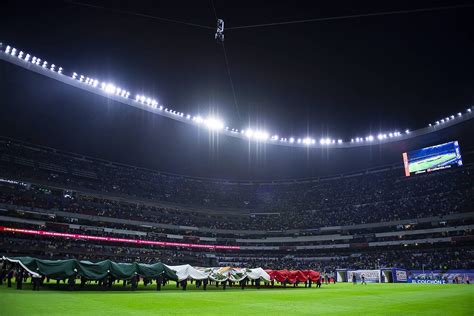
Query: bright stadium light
(407,131)
(292,140)
(197,119)
(110,88)
(261,135)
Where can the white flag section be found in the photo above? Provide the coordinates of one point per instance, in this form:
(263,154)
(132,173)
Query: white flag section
(220,274)
(186,271)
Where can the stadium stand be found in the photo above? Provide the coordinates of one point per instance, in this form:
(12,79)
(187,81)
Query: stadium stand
(367,219)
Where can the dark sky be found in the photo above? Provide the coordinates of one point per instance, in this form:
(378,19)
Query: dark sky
(340,78)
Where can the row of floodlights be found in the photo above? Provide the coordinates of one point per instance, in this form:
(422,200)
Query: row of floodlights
(210,122)
(33,59)
(449,118)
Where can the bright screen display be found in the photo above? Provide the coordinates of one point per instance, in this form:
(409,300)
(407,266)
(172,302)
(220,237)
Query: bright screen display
(432,158)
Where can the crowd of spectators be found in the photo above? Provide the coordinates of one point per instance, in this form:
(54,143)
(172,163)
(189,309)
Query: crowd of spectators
(49,180)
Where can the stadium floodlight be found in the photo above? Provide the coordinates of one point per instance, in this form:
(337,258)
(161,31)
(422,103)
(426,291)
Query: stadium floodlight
(81,78)
(74,75)
(292,140)
(339,141)
(261,135)
(370,138)
(20,54)
(298,140)
(13,53)
(33,60)
(352,140)
(96,82)
(452,117)
(380,136)
(407,131)
(197,119)
(249,133)
(60,70)
(52,67)
(429,125)
(459,114)
(213,123)
(322,141)
(7,49)
(38,61)
(45,64)
(109,88)
(469,110)
(27,57)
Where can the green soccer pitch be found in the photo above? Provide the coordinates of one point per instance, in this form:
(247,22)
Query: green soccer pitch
(339,299)
(430,162)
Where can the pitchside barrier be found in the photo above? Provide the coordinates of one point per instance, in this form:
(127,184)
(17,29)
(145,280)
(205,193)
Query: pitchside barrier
(441,277)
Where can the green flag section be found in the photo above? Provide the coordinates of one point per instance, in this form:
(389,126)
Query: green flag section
(62,269)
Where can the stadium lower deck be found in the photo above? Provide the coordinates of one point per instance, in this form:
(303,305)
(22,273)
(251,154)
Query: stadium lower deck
(365,220)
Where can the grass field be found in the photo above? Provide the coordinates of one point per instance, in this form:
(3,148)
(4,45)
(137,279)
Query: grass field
(431,162)
(339,299)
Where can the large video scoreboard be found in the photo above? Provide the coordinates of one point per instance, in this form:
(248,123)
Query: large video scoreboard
(432,158)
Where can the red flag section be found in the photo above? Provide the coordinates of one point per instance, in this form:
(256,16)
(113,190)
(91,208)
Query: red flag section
(293,276)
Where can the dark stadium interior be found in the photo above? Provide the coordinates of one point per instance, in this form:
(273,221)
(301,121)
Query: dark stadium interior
(73,162)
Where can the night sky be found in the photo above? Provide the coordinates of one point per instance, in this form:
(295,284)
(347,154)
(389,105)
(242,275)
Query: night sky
(341,79)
